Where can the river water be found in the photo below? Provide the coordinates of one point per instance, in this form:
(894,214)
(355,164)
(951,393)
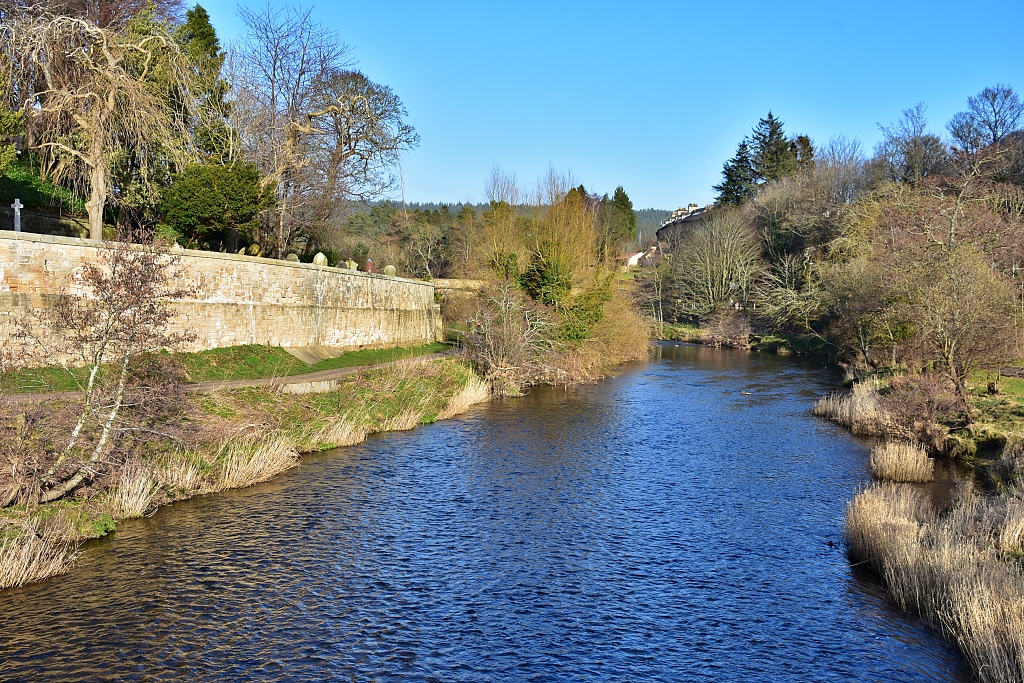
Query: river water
(669,524)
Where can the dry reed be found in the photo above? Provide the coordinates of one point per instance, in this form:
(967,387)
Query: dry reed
(33,556)
(959,570)
(858,410)
(403,421)
(902,461)
(336,433)
(475,391)
(180,474)
(134,494)
(244,463)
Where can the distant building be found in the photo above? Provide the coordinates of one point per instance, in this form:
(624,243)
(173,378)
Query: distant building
(680,222)
(636,259)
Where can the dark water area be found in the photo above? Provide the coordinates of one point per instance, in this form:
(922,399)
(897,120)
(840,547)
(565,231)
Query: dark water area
(669,524)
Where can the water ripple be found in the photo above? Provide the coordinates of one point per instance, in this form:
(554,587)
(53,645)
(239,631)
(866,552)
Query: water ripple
(660,526)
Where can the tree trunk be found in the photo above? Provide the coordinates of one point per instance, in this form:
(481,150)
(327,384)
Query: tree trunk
(97,199)
(84,472)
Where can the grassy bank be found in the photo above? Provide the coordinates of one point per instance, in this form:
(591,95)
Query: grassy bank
(231,363)
(961,568)
(226,440)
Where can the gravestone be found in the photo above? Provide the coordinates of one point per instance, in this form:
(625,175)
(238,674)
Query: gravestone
(292,257)
(320,259)
(390,271)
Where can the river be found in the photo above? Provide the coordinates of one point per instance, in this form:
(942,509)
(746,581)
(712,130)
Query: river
(672,523)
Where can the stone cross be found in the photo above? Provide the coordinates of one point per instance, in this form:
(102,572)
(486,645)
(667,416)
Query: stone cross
(17,206)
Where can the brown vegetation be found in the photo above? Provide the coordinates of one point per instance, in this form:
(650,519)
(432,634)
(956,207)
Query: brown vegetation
(27,553)
(902,461)
(859,410)
(958,570)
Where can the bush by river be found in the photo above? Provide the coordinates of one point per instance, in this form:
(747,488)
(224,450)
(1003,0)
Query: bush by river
(958,567)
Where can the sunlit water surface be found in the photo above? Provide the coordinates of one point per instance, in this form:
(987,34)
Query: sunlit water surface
(662,525)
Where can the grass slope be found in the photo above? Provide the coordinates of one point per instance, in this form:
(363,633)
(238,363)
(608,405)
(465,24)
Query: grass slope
(234,362)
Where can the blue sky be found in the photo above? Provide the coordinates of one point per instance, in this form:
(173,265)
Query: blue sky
(654,96)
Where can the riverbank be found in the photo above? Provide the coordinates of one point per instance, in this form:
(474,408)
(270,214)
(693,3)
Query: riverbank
(736,334)
(224,440)
(960,567)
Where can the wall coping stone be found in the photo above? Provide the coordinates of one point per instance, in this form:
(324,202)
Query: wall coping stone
(215,255)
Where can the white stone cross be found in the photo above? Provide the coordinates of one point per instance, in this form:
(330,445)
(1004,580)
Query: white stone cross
(17,206)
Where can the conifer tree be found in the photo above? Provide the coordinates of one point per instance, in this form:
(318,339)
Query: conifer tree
(739,178)
(200,45)
(625,206)
(803,150)
(774,157)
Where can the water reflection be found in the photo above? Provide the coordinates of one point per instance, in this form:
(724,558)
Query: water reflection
(669,524)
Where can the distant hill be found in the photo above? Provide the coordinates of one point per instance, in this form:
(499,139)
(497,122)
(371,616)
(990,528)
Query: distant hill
(649,220)
(434,206)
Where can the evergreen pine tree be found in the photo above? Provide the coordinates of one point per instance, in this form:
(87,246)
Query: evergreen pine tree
(739,179)
(625,206)
(773,157)
(803,150)
(198,40)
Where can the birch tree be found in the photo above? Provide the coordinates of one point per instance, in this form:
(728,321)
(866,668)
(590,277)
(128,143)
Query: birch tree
(116,312)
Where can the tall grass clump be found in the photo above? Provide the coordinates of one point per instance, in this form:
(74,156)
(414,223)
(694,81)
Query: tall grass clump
(134,494)
(180,475)
(244,462)
(902,461)
(475,391)
(960,570)
(859,410)
(336,433)
(28,555)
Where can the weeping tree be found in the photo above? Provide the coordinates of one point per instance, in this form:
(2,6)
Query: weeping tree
(91,95)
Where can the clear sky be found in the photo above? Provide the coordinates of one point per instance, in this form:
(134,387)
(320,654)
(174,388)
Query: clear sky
(655,96)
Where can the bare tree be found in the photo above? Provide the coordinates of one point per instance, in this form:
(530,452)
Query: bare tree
(840,169)
(991,115)
(358,133)
(962,312)
(719,262)
(87,92)
(112,14)
(908,151)
(320,132)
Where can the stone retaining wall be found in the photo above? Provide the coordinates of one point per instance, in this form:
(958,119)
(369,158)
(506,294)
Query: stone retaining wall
(237,299)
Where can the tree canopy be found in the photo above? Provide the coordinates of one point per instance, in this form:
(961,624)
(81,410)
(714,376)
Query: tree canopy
(765,156)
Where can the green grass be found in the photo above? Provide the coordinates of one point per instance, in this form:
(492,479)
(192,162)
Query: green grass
(258,362)
(231,363)
(367,402)
(37,194)
(1002,412)
(33,380)
(679,332)
(803,344)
